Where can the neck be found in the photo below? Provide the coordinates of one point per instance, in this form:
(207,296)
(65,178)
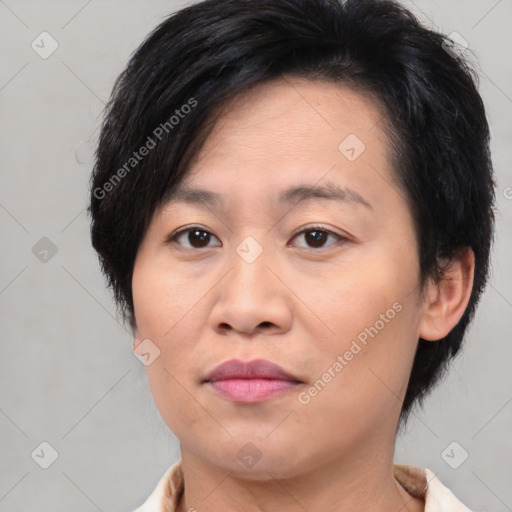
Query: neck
(365,484)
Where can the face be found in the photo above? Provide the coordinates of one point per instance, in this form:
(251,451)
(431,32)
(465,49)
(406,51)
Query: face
(324,287)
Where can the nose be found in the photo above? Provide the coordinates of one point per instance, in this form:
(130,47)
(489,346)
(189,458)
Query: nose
(252,297)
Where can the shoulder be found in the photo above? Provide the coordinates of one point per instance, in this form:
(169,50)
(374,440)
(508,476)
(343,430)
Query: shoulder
(423,483)
(166,493)
(440,498)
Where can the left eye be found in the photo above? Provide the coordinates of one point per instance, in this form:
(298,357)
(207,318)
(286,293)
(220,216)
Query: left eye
(198,237)
(317,236)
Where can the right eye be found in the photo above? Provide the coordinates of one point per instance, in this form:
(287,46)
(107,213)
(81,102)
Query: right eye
(196,236)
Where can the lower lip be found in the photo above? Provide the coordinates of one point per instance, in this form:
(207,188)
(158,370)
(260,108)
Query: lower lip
(251,390)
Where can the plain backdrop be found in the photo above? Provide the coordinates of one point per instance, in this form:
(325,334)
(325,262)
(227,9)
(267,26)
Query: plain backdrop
(68,376)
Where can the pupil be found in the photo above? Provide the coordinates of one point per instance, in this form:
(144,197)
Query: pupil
(316,239)
(192,234)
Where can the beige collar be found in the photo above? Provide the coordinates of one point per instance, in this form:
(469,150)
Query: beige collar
(420,483)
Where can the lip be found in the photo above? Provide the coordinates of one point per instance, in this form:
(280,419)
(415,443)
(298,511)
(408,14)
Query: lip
(251,381)
(255,369)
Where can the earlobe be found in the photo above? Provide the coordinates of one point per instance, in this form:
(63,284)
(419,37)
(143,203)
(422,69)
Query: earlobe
(446,301)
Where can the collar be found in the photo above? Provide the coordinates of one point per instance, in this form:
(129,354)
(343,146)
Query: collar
(418,482)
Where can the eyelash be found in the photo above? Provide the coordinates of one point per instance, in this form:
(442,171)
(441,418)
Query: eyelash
(173,237)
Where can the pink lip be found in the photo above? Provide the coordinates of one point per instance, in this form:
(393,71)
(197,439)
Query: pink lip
(251,390)
(252,381)
(255,369)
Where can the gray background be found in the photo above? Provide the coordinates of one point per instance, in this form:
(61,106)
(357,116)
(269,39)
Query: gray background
(68,376)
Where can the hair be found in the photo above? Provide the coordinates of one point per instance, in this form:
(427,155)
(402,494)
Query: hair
(199,58)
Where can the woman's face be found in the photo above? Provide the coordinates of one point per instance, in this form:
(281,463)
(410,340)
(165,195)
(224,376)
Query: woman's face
(326,288)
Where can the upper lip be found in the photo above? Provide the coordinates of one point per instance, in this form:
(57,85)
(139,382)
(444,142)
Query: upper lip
(255,369)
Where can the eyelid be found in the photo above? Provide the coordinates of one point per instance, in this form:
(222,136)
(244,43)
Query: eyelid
(310,227)
(317,227)
(175,234)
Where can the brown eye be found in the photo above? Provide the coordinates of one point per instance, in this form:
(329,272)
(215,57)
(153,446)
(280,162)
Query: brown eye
(316,237)
(196,237)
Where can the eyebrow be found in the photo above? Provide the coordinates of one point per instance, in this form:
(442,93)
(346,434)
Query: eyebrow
(293,195)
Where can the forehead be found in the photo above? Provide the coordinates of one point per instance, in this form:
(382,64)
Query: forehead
(291,139)
(329,191)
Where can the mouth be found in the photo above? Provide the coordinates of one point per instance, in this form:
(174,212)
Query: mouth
(251,390)
(252,381)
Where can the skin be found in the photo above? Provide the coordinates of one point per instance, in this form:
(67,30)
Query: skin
(299,304)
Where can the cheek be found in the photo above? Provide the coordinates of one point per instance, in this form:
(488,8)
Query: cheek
(174,399)
(367,315)
(162,298)
(163,315)
(348,299)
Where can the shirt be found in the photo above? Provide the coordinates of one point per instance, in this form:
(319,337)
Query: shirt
(418,482)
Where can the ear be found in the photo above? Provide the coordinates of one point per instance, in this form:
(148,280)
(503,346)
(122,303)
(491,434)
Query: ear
(446,301)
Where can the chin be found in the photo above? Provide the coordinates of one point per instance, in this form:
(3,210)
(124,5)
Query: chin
(258,461)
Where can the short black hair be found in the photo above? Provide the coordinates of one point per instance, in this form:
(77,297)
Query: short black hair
(203,55)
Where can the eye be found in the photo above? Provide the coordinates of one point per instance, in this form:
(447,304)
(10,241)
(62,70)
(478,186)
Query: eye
(198,237)
(317,236)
